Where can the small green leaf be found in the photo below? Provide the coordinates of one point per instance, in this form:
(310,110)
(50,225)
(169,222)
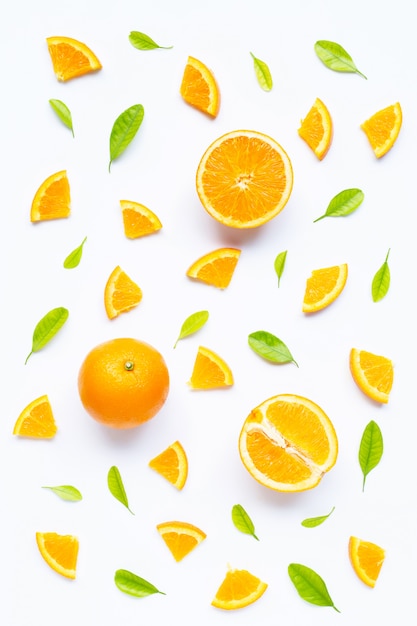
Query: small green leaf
(381,281)
(312,522)
(124,130)
(74,257)
(310,586)
(242,521)
(270,347)
(335,57)
(144,42)
(63,113)
(116,487)
(66,492)
(263,74)
(343,203)
(279,264)
(192,324)
(134,585)
(47,328)
(371,449)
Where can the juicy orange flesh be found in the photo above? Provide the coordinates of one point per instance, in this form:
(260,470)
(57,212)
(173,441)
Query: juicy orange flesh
(126,294)
(312,129)
(371,558)
(218,272)
(377,370)
(207,373)
(39,423)
(59,551)
(380,126)
(320,283)
(274,461)
(237,585)
(194,88)
(180,544)
(136,224)
(69,62)
(54,201)
(167,464)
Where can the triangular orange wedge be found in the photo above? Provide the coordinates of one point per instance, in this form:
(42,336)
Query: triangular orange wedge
(199,87)
(121,293)
(215,268)
(210,371)
(71,58)
(59,551)
(382,129)
(238,589)
(52,200)
(172,464)
(138,220)
(374,374)
(367,559)
(323,287)
(180,537)
(317,129)
(36,420)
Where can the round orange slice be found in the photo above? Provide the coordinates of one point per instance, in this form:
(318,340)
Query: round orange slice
(52,200)
(323,287)
(374,374)
(317,129)
(210,371)
(215,268)
(172,464)
(121,293)
(36,420)
(382,129)
(180,537)
(138,220)
(367,559)
(238,589)
(71,58)
(59,551)
(199,87)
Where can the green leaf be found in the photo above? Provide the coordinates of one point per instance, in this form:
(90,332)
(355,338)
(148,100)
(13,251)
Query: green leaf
(270,347)
(124,130)
(116,487)
(335,57)
(263,74)
(63,113)
(192,324)
(134,585)
(310,586)
(66,492)
(371,449)
(47,328)
(144,42)
(74,257)
(381,281)
(312,522)
(343,203)
(242,521)
(279,264)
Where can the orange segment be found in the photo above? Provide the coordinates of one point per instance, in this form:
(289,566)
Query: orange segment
(317,129)
(372,373)
(323,287)
(288,443)
(172,464)
(367,559)
(244,179)
(59,551)
(71,58)
(121,293)
(138,220)
(238,589)
(215,268)
(52,200)
(382,129)
(199,87)
(180,537)
(36,420)
(210,371)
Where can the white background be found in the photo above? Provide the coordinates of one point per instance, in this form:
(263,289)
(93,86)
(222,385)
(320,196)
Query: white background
(158,169)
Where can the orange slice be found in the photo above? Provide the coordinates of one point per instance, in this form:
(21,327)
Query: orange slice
(317,129)
(288,443)
(138,220)
(215,268)
(382,129)
(199,87)
(52,200)
(180,537)
(172,464)
(372,373)
(60,552)
(121,293)
(238,589)
(36,420)
(367,559)
(323,287)
(71,58)
(210,371)
(244,179)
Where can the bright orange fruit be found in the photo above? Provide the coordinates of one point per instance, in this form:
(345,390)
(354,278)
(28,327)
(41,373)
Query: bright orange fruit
(323,287)
(52,200)
(36,420)
(121,293)
(138,220)
(374,374)
(215,268)
(180,537)
(199,87)
(238,589)
(317,129)
(172,464)
(367,559)
(382,129)
(71,58)
(59,551)
(210,371)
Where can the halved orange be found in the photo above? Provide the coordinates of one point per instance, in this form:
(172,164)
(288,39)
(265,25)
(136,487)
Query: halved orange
(36,420)
(288,443)
(59,551)
(374,374)
(367,559)
(180,537)
(138,220)
(172,464)
(323,287)
(244,179)
(317,129)
(215,268)
(199,87)
(71,58)
(382,129)
(52,200)
(121,293)
(238,589)
(210,371)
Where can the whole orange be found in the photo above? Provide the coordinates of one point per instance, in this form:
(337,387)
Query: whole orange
(123,382)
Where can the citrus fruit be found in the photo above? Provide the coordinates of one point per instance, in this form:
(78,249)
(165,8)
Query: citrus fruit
(238,589)
(372,373)
(367,559)
(288,443)
(121,293)
(323,287)
(210,371)
(123,382)
(52,200)
(36,420)
(215,268)
(71,58)
(382,129)
(138,220)
(172,464)
(317,129)
(244,179)
(199,87)
(59,551)
(180,537)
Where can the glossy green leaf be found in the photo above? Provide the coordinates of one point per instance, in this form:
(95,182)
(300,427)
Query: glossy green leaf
(335,57)
(310,586)
(116,487)
(124,130)
(343,203)
(242,521)
(192,324)
(263,74)
(134,585)
(74,257)
(381,281)
(371,449)
(63,113)
(66,492)
(47,328)
(144,42)
(279,264)
(270,347)
(312,522)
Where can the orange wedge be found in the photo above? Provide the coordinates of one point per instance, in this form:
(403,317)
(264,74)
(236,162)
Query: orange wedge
(210,371)
(382,129)
(215,268)
(59,551)
(52,200)
(172,464)
(199,87)
(121,293)
(238,589)
(317,129)
(367,559)
(71,58)
(36,420)
(180,537)
(323,287)
(372,373)
(138,220)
